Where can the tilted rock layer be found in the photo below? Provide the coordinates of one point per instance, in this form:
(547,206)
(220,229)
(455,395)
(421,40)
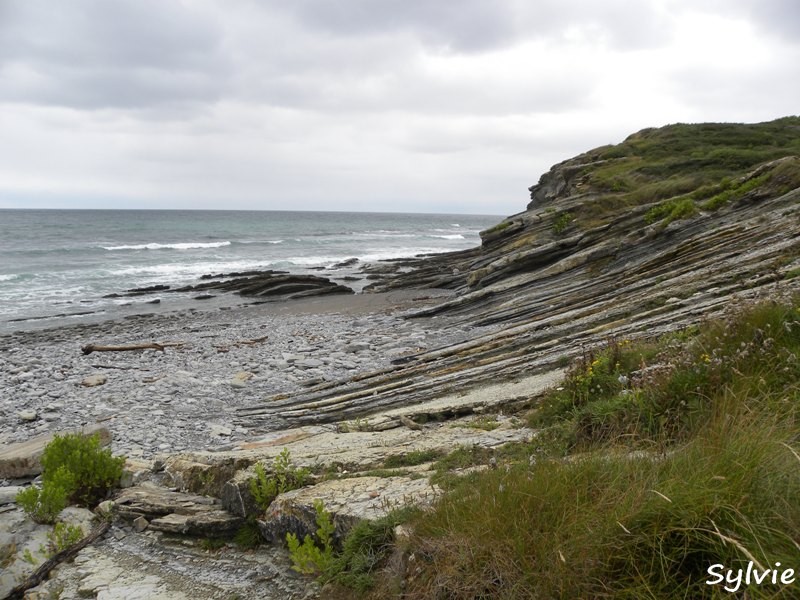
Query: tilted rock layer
(650,235)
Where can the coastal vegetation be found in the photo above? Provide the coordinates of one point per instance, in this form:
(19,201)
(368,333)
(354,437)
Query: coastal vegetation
(608,407)
(655,459)
(682,169)
(75,470)
(284,476)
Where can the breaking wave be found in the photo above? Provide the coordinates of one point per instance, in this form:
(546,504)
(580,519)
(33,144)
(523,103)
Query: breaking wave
(179,246)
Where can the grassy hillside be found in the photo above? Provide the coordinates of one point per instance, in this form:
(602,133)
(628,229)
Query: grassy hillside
(685,169)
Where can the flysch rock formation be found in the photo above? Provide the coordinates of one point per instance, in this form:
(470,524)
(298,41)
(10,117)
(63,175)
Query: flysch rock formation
(591,258)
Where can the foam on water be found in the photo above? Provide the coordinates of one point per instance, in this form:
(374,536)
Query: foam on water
(179,246)
(47,261)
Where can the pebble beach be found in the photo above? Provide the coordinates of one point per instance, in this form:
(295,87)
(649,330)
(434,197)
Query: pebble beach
(214,362)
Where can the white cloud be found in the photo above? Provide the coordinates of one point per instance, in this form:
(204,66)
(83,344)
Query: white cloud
(373,105)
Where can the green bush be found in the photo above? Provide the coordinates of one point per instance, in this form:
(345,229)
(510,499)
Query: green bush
(43,505)
(671,210)
(94,469)
(310,557)
(75,469)
(283,477)
(365,548)
(63,536)
(562,222)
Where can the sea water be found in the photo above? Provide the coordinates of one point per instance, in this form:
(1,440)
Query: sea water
(57,265)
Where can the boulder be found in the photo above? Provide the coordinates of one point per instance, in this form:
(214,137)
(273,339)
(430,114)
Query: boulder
(175,512)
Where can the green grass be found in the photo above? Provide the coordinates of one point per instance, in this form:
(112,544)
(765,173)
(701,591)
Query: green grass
(681,453)
(671,210)
(686,165)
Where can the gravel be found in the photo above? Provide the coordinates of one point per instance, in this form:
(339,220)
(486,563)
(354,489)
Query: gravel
(183,398)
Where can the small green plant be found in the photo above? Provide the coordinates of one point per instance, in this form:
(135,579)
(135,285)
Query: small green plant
(44,504)
(248,536)
(63,536)
(562,222)
(671,210)
(283,478)
(310,557)
(365,548)
(74,469)
(29,558)
(212,544)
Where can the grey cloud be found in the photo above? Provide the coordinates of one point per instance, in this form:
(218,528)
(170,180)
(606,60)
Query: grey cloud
(464,25)
(97,54)
(479,25)
(773,17)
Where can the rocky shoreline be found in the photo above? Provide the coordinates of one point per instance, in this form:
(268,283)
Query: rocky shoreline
(152,405)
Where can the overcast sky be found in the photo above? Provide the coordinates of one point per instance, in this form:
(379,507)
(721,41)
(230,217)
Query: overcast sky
(452,106)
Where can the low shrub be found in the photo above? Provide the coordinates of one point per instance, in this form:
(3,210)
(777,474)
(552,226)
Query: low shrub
(283,477)
(563,221)
(671,210)
(75,469)
(94,469)
(364,550)
(44,504)
(314,556)
(63,536)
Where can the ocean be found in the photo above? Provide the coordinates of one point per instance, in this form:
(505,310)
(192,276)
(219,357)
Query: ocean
(56,265)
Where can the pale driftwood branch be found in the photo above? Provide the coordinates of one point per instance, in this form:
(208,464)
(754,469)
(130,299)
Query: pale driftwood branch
(88,349)
(39,574)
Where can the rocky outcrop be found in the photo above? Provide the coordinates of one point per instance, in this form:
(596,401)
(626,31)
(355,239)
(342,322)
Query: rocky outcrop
(269,284)
(272,285)
(170,511)
(672,226)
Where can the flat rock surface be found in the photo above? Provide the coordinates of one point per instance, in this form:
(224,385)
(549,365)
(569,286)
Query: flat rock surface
(358,497)
(146,566)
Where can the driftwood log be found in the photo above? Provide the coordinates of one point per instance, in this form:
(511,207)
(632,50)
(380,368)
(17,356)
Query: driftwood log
(39,574)
(89,348)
